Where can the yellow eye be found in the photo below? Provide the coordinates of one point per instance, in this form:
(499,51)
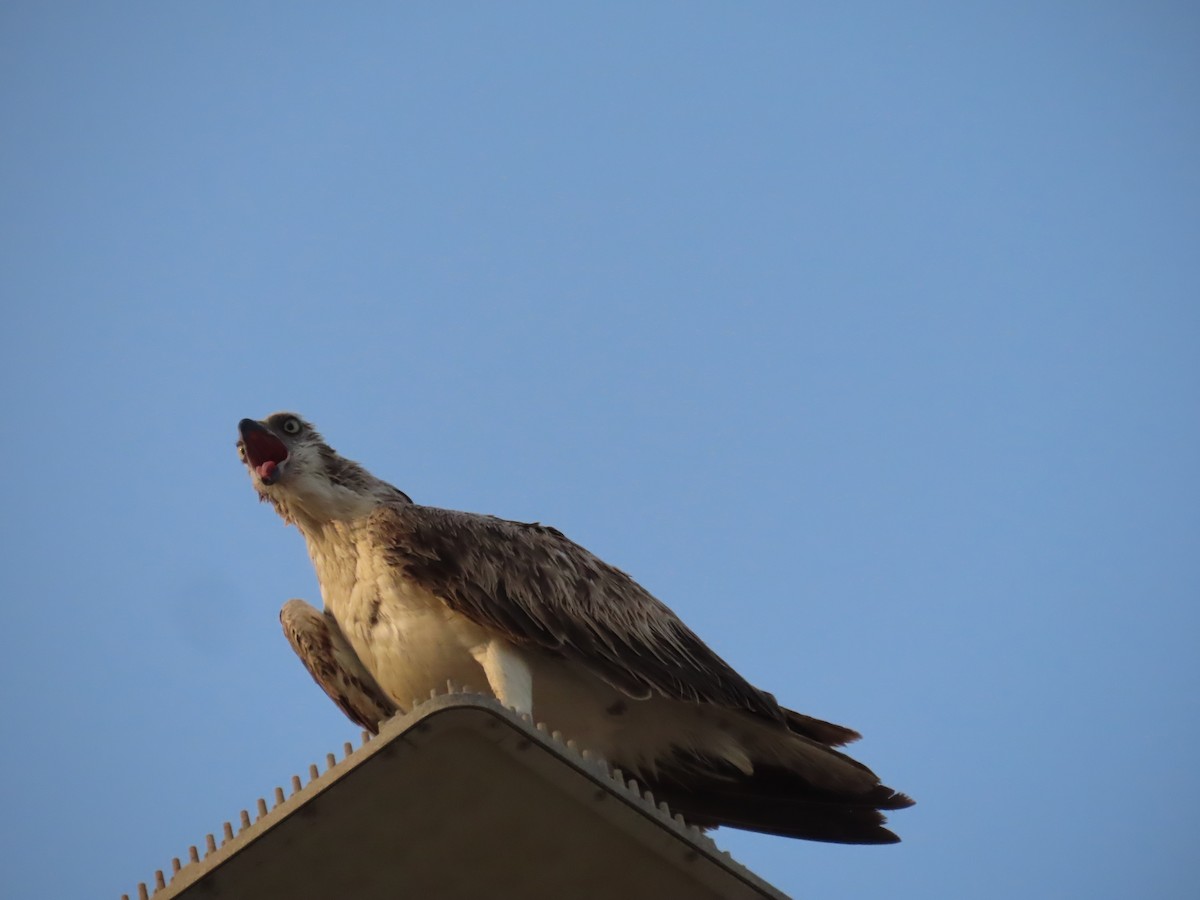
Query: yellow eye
(241,451)
(291,426)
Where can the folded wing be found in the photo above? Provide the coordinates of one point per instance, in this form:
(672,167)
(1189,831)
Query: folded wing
(334,666)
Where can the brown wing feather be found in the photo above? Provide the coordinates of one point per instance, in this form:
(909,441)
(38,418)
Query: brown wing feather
(333,665)
(537,587)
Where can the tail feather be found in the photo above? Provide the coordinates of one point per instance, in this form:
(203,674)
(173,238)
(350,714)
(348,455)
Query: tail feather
(775,800)
(796,785)
(819,730)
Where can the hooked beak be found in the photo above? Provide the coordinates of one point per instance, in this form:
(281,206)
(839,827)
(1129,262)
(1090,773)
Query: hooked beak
(265,453)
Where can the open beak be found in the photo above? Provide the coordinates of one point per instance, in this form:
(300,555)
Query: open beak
(265,453)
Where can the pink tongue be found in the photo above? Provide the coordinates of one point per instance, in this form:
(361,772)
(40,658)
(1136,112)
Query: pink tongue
(267,469)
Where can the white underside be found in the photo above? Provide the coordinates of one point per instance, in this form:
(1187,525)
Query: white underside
(417,645)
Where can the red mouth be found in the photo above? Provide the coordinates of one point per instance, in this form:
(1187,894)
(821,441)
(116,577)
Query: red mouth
(264,451)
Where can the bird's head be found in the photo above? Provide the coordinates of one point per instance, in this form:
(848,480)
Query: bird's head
(308,483)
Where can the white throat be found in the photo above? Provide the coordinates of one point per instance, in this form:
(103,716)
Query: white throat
(313,503)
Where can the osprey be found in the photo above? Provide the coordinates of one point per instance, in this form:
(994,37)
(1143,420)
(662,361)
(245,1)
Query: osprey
(416,596)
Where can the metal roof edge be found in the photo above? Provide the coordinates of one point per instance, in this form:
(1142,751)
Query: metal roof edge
(606,777)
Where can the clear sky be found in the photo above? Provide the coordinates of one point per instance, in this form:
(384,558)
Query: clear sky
(865,335)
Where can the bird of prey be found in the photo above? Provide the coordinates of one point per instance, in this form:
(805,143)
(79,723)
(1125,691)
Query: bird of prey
(416,596)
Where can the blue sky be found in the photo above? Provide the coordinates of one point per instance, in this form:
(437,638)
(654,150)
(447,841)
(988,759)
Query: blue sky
(865,337)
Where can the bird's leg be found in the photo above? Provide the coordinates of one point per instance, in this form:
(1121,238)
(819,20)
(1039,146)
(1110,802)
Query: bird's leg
(507,673)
